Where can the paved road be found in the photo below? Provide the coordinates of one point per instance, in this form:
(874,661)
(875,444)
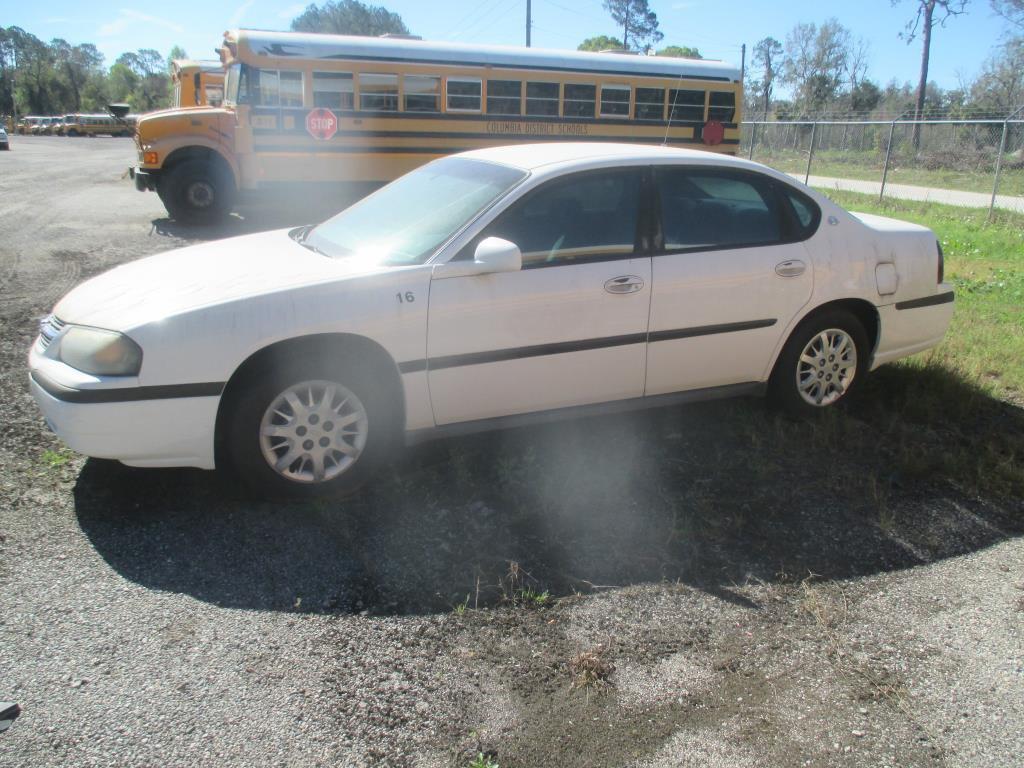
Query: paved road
(911,192)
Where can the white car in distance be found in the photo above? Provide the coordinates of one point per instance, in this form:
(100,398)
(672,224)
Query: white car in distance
(485,289)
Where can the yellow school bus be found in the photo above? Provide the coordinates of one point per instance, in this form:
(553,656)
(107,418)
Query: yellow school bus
(301,109)
(94,125)
(197,83)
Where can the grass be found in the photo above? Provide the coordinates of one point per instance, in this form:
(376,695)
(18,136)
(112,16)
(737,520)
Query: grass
(985,263)
(56,459)
(868,166)
(482,761)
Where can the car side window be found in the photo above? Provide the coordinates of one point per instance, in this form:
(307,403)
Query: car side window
(805,210)
(702,210)
(585,217)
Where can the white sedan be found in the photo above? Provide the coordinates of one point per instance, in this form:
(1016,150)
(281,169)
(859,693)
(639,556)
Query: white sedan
(485,289)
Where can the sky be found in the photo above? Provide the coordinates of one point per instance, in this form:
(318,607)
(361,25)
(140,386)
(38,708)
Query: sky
(715,28)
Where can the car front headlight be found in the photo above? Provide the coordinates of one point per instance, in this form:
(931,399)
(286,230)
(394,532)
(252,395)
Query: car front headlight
(99,352)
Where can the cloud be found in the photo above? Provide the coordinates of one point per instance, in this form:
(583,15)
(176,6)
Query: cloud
(129,17)
(239,14)
(291,11)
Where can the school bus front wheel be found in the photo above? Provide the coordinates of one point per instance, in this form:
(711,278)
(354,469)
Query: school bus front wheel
(196,192)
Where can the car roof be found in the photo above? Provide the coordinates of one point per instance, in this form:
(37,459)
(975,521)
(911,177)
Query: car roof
(529,157)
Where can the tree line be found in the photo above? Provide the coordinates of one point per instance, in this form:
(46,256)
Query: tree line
(57,77)
(825,71)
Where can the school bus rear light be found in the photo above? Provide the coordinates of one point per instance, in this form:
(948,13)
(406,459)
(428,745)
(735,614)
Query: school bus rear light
(150,158)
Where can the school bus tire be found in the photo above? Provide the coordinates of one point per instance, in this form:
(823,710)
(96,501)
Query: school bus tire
(196,192)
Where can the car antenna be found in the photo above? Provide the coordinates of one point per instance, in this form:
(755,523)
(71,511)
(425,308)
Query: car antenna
(671,110)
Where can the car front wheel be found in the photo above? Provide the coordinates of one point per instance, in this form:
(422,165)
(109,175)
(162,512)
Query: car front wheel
(824,359)
(313,429)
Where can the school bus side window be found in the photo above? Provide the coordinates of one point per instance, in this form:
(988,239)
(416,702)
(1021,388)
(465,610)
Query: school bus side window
(378,93)
(542,99)
(650,104)
(263,85)
(291,88)
(271,88)
(614,101)
(422,93)
(722,106)
(463,94)
(504,97)
(333,90)
(580,100)
(686,106)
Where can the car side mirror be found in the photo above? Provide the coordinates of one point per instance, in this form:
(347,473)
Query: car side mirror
(492,255)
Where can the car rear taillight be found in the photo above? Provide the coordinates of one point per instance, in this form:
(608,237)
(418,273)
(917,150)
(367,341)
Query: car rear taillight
(942,261)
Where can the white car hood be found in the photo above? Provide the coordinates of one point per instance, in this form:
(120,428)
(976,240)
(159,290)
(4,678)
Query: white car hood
(185,279)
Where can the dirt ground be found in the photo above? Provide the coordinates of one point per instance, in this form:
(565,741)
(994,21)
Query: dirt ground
(676,588)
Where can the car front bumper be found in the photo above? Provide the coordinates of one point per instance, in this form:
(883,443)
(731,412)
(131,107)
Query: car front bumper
(150,432)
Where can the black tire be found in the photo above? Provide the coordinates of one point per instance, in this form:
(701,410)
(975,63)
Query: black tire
(197,192)
(834,381)
(72,132)
(248,407)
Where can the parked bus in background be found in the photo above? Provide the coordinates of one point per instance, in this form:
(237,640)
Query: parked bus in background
(25,123)
(197,83)
(94,125)
(305,108)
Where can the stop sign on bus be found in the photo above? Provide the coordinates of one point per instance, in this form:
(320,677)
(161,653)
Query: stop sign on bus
(321,123)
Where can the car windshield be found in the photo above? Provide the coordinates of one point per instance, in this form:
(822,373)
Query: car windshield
(406,221)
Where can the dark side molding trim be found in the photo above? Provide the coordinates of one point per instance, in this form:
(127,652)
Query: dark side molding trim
(126,394)
(561,347)
(927,301)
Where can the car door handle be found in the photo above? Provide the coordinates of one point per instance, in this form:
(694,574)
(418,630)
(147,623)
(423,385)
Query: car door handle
(624,284)
(790,268)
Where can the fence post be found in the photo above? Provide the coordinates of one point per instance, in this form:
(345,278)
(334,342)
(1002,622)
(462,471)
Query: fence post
(753,138)
(888,154)
(999,162)
(810,155)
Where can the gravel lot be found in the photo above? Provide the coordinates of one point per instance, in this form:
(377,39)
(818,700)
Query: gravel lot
(156,617)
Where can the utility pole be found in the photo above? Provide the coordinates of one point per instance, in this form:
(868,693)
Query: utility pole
(528,23)
(743,61)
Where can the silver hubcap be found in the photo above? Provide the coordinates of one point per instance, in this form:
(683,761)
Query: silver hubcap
(313,431)
(199,194)
(826,367)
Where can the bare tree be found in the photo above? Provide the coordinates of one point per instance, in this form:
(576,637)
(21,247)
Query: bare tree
(816,63)
(1011,10)
(767,53)
(930,13)
(857,62)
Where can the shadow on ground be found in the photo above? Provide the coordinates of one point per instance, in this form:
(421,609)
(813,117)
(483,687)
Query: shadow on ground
(919,468)
(284,208)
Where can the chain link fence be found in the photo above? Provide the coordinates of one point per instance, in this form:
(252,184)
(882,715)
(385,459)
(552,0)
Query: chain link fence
(949,158)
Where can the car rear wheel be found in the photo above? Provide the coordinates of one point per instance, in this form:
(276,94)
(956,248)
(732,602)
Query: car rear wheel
(197,192)
(312,429)
(822,362)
